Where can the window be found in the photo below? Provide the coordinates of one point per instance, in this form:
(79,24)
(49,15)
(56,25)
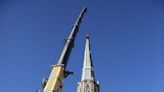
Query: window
(87,88)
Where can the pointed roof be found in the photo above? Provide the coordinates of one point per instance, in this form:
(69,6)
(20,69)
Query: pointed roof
(87,72)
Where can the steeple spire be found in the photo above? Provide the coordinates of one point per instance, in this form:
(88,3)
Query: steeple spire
(88,82)
(87,72)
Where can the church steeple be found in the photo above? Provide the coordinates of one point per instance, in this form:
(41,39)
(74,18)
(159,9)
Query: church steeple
(88,82)
(87,71)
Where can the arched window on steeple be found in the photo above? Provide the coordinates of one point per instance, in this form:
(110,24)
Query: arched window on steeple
(87,88)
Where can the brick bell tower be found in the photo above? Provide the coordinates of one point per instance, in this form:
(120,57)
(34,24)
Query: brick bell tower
(88,82)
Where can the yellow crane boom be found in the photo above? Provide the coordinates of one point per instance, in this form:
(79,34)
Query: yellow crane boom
(54,83)
(58,73)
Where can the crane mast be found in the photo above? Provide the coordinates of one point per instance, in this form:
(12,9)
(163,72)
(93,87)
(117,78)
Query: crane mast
(58,73)
(69,42)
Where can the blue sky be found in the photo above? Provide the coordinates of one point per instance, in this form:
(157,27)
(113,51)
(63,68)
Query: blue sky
(126,43)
